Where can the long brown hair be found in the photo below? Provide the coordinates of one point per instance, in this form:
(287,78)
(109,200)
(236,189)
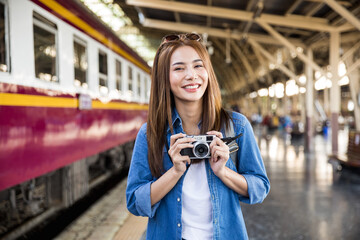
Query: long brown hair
(162,101)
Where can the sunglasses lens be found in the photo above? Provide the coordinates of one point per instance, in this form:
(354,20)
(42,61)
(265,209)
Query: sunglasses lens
(171,38)
(174,37)
(193,36)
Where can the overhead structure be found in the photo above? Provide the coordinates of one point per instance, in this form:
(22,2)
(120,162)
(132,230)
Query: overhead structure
(262,43)
(274,24)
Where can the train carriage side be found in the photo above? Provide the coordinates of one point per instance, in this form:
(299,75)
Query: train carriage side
(72,98)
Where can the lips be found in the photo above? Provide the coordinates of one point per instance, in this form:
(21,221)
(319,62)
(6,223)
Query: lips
(191,86)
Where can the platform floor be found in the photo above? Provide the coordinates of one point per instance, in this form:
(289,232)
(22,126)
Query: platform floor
(306,201)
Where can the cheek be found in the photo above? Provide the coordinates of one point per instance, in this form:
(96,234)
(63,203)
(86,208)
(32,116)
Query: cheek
(173,83)
(206,78)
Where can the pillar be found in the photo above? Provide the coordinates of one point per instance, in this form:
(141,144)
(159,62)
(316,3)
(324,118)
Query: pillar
(335,89)
(309,104)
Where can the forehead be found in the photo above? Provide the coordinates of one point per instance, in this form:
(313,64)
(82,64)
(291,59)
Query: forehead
(184,54)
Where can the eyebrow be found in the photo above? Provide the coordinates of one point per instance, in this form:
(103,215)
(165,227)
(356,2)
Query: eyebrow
(182,63)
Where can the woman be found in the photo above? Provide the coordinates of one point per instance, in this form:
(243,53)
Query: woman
(184,198)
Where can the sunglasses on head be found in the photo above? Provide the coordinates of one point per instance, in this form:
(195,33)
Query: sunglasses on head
(176,37)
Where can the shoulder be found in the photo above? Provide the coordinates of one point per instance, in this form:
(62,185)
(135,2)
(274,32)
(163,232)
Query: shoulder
(142,130)
(143,127)
(238,119)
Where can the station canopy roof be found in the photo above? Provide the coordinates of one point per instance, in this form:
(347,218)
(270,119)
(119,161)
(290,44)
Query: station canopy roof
(253,43)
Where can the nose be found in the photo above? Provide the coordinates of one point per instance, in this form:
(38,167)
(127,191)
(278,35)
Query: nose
(191,74)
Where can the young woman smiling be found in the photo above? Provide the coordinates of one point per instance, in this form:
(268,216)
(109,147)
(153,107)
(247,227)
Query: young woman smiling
(191,198)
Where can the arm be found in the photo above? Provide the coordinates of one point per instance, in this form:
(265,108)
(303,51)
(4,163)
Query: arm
(144,192)
(234,180)
(163,185)
(250,162)
(219,157)
(250,181)
(167,181)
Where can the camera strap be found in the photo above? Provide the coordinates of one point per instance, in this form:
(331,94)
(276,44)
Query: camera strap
(233,146)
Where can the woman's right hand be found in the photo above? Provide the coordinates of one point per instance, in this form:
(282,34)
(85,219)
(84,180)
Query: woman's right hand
(177,143)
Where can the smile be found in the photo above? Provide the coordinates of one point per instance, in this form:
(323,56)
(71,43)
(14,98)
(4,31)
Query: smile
(194,86)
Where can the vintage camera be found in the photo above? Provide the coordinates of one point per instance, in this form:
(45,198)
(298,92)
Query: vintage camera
(201,147)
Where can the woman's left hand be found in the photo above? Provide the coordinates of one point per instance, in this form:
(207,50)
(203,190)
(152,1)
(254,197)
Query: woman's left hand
(219,153)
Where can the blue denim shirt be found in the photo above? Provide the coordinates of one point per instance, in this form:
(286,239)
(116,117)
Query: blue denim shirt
(165,216)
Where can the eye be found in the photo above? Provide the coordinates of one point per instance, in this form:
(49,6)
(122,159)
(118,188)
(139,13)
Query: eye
(199,66)
(178,69)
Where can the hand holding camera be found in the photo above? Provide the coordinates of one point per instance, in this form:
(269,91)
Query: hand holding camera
(201,146)
(212,146)
(178,142)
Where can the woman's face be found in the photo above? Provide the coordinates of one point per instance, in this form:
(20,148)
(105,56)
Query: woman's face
(188,76)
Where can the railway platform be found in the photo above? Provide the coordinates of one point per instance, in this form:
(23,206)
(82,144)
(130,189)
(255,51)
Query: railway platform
(108,219)
(307,199)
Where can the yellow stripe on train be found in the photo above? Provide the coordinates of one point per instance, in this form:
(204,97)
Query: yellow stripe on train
(10,99)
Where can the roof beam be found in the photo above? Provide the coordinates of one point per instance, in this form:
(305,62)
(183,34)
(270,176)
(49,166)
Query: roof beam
(343,12)
(345,27)
(295,21)
(215,32)
(352,68)
(345,39)
(290,46)
(293,7)
(282,67)
(350,52)
(244,60)
(263,64)
(237,79)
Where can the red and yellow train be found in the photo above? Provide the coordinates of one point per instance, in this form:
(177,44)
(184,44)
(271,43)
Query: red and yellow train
(72,98)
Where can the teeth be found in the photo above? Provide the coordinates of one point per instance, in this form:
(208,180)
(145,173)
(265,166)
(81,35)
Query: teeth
(191,86)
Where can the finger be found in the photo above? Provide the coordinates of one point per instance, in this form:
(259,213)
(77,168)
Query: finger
(176,148)
(217,142)
(220,151)
(174,137)
(216,133)
(182,159)
(185,140)
(182,140)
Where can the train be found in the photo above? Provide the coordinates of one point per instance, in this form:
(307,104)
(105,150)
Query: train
(72,99)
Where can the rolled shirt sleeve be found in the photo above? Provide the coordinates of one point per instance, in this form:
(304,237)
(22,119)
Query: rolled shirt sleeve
(140,179)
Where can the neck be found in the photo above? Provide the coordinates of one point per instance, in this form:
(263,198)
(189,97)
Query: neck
(190,115)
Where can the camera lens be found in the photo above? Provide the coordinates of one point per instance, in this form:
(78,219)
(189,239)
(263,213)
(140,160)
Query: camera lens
(201,150)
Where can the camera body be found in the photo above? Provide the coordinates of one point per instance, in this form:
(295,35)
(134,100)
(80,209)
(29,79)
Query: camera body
(201,147)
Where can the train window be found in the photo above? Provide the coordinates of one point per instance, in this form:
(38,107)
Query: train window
(45,35)
(103,73)
(130,89)
(139,85)
(118,75)
(80,63)
(4,57)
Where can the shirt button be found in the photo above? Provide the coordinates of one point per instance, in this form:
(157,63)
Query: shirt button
(179,225)
(178,199)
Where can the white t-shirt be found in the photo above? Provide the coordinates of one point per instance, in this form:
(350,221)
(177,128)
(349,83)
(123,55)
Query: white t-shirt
(197,222)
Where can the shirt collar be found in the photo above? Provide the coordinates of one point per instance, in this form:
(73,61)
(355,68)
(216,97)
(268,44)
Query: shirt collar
(176,120)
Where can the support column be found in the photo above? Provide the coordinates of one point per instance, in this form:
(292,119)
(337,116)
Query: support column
(309,104)
(335,89)
(354,86)
(285,102)
(326,102)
